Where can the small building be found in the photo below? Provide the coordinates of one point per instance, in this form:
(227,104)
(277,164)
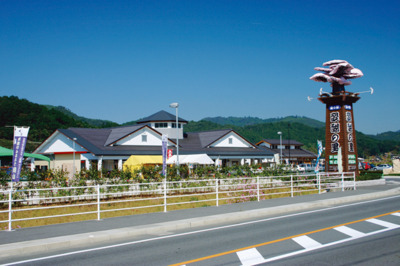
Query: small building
(292,151)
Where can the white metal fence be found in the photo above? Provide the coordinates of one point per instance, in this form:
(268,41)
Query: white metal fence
(97,200)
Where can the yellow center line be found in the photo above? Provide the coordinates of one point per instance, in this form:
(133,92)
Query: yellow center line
(279,240)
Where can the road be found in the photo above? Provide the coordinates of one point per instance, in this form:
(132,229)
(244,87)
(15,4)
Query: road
(365,233)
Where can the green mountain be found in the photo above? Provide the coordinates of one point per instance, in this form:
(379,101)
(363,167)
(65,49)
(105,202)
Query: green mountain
(390,135)
(246,121)
(42,121)
(93,122)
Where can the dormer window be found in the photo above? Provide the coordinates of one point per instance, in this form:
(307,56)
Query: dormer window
(161,125)
(144,138)
(230,141)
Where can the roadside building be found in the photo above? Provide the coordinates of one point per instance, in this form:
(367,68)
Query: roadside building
(292,151)
(109,148)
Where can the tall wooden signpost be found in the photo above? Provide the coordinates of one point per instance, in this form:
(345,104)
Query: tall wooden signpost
(340,137)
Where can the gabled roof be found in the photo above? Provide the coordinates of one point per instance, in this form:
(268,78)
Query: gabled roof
(199,142)
(161,116)
(119,133)
(284,142)
(293,153)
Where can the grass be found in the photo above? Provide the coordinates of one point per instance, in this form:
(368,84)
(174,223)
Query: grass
(136,205)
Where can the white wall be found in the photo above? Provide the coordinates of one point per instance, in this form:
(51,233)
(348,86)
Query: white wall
(153,139)
(170,131)
(60,143)
(237,142)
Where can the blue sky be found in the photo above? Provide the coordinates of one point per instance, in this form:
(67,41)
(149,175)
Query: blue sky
(124,60)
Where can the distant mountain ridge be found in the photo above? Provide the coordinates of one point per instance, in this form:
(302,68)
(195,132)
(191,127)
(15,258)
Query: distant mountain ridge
(390,135)
(246,121)
(93,122)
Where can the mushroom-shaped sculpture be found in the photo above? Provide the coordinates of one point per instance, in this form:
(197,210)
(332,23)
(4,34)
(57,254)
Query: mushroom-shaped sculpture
(337,74)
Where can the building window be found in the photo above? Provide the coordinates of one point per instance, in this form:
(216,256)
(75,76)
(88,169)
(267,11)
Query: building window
(274,147)
(144,138)
(230,140)
(287,147)
(161,125)
(174,125)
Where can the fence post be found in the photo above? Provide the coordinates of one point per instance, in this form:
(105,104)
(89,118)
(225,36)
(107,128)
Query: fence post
(165,195)
(342,181)
(10,210)
(354,181)
(319,182)
(291,185)
(98,203)
(216,192)
(258,188)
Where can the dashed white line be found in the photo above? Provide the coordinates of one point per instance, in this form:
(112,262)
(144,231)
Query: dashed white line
(306,242)
(250,256)
(349,231)
(383,223)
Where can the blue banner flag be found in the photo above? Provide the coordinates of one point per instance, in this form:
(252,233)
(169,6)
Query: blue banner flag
(20,137)
(320,149)
(164,154)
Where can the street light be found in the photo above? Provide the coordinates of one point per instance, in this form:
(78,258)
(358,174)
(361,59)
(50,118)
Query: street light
(280,143)
(73,164)
(176,105)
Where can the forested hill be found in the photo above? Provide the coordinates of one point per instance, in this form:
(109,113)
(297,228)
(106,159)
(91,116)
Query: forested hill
(41,120)
(92,122)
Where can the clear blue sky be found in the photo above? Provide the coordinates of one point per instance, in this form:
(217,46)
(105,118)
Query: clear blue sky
(124,60)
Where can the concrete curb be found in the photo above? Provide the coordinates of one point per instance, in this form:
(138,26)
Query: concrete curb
(80,240)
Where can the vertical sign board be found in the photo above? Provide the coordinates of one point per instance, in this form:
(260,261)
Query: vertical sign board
(20,137)
(340,132)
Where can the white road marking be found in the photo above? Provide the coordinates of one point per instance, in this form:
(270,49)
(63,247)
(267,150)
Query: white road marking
(350,231)
(306,242)
(396,214)
(383,223)
(322,246)
(250,256)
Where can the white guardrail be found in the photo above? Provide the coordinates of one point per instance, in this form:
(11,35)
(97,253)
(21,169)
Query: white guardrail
(28,204)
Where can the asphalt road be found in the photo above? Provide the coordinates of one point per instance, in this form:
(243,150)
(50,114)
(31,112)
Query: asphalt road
(364,233)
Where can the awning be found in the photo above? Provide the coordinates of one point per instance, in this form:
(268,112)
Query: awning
(9,152)
(191,158)
(136,161)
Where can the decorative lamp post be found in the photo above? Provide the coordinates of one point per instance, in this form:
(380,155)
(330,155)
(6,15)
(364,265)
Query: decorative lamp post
(280,143)
(176,105)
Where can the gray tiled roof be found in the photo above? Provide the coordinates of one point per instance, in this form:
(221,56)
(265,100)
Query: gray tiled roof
(294,153)
(94,139)
(198,142)
(161,116)
(120,132)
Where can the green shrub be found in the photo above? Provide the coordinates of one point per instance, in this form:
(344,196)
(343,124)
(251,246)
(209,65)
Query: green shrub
(369,175)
